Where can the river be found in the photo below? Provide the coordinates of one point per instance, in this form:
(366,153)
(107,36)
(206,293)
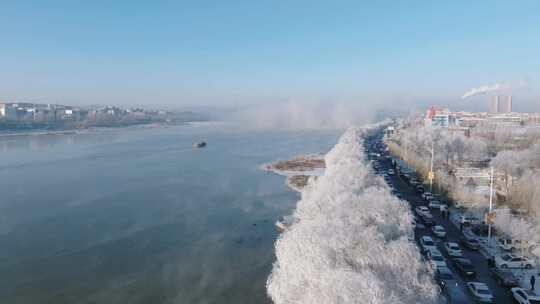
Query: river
(136,215)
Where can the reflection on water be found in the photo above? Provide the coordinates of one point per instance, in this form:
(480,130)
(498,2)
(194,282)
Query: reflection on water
(138,216)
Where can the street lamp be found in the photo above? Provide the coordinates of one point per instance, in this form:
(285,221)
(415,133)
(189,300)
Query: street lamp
(431,175)
(489,217)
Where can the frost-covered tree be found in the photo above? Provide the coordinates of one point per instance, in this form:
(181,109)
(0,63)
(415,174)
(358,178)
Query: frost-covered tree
(513,151)
(349,243)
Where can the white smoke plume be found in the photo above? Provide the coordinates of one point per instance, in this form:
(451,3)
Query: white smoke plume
(495,87)
(349,243)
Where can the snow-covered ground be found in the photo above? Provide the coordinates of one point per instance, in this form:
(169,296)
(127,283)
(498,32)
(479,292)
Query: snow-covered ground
(349,242)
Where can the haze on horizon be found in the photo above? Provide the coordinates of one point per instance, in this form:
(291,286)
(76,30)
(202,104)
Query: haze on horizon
(205,53)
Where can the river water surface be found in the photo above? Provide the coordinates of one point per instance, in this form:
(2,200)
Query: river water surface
(136,215)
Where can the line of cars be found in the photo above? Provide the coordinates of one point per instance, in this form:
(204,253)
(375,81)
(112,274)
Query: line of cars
(479,290)
(443,274)
(523,296)
(467,239)
(464,267)
(445,277)
(504,276)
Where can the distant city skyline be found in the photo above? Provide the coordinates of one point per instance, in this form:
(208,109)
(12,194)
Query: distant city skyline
(193,53)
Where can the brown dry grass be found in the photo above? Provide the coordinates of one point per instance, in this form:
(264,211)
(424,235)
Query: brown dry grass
(299,164)
(298,181)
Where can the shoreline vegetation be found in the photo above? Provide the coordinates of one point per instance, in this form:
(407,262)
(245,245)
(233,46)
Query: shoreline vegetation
(299,170)
(298,182)
(462,167)
(348,238)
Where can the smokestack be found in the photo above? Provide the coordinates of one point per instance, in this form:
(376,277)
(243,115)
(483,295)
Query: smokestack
(494,105)
(505,104)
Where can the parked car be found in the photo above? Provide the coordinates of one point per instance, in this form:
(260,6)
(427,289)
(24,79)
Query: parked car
(436,259)
(444,276)
(512,261)
(467,219)
(428,220)
(438,230)
(453,249)
(374,155)
(427,243)
(421,210)
(505,244)
(523,296)
(464,266)
(436,205)
(504,277)
(469,241)
(427,196)
(480,292)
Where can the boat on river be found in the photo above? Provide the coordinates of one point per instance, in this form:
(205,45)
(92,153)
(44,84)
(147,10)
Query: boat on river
(201,144)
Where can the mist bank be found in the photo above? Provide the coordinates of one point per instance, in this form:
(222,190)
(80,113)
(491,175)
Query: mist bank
(348,243)
(303,116)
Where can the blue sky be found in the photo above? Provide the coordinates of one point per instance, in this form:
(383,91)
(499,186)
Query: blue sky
(182,53)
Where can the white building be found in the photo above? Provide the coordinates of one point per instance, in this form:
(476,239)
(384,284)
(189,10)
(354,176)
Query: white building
(8,111)
(439,117)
